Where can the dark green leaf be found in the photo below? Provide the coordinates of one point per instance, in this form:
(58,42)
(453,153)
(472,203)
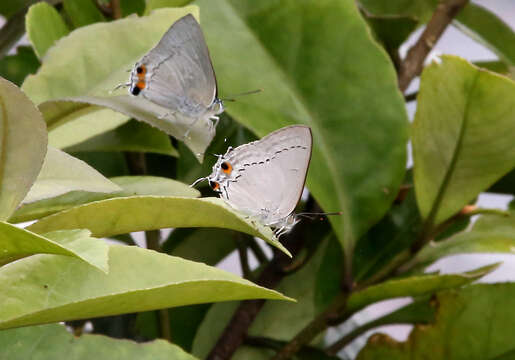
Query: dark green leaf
(16,67)
(82,12)
(356,113)
(129,7)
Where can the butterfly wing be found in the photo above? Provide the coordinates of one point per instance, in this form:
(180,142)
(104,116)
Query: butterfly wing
(270,174)
(178,70)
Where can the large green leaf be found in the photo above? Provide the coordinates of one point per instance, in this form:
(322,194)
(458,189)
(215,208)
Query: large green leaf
(18,243)
(62,173)
(99,72)
(473,323)
(44,27)
(318,65)
(490,234)
(46,342)
(463,135)
(130,185)
(23,145)
(413,286)
(132,136)
(136,213)
(64,288)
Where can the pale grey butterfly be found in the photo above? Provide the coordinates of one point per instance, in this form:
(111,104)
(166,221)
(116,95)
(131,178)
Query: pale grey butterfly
(264,179)
(177,74)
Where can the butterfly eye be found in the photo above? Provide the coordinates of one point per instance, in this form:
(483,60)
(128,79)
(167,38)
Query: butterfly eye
(214,185)
(226,167)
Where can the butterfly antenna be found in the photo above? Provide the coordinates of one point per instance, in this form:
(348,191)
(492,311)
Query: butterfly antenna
(232,97)
(312,216)
(198,181)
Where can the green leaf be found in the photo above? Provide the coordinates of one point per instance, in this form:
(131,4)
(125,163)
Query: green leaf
(461,108)
(130,185)
(413,286)
(18,243)
(52,341)
(137,213)
(44,27)
(69,124)
(419,9)
(82,12)
(23,145)
(64,288)
(16,67)
(505,185)
(472,323)
(489,30)
(99,72)
(110,164)
(209,246)
(132,136)
(301,86)
(490,234)
(62,173)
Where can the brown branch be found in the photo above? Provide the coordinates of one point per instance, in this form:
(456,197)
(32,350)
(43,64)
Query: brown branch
(236,330)
(414,61)
(333,315)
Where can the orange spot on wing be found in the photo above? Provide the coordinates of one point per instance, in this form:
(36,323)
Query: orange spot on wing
(226,167)
(140,85)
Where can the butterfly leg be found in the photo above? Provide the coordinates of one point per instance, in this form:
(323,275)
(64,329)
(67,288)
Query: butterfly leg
(120,86)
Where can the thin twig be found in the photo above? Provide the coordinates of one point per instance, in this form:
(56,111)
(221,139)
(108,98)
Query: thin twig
(11,32)
(117,12)
(243,255)
(414,61)
(257,251)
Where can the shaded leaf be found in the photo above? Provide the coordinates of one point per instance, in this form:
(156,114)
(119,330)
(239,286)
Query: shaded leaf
(52,341)
(130,185)
(157,4)
(22,148)
(16,67)
(44,27)
(132,136)
(62,173)
(209,246)
(138,280)
(110,164)
(18,243)
(413,286)
(137,213)
(82,12)
(355,113)
(471,323)
(97,75)
(461,108)
(129,7)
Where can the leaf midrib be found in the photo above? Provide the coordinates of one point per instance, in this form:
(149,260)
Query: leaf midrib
(455,156)
(342,199)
